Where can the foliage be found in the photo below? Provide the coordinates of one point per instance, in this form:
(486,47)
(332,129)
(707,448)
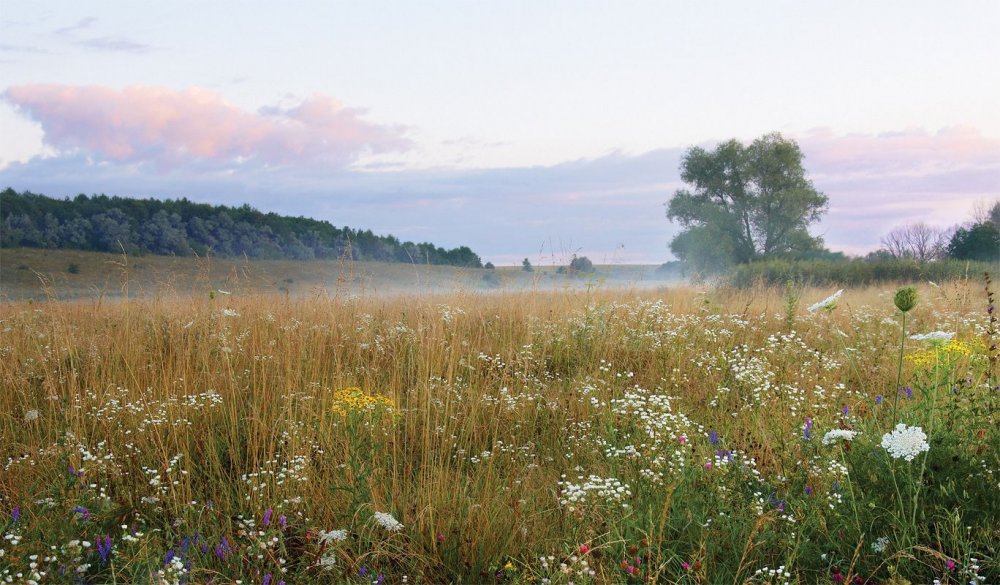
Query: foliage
(526,266)
(856,272)
(748,203)
(980,241)
(181,227)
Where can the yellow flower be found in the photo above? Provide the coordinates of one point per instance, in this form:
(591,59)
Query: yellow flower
(509,566)
(354,399)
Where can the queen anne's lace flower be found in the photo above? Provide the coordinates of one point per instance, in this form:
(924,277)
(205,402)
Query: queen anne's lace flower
(835,435)
(905,442)
(332,536)
(385,520)
(933,336)
(828,303)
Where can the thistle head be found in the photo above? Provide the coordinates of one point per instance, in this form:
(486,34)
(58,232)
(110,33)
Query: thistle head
(906,298)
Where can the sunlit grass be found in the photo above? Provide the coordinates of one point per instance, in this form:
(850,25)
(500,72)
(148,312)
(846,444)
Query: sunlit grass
(586,436)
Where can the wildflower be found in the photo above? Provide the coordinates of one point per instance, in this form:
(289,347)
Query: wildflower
(878,399)
(267,580)
(354,399)
(951,565)
(223,550)
(83,512)
(905,442)
(933,336)
(713,437)
(385,520)
(905,299)
(230,313)
(283,521)
(267,516)
(328,561)
(808,490)
(332,536)
(104,548)
(15,514)
(807,428)
(829,303)
(686,565)
(30,415)
(833,436)
(440,538)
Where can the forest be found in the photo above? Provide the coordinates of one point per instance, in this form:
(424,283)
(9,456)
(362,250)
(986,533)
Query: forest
(182,227)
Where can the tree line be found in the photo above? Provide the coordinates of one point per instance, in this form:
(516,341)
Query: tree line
(181,227)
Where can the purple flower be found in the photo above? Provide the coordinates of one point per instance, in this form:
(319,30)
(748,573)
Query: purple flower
(267,580)
(223,550)
(15,514)
(169,557)
(807,428)
(267,517)
(878,399)
(809,491)
(907,391)
(283,521)
(847,410)
(363,571)
(713,437)
(104,548)
(83,512)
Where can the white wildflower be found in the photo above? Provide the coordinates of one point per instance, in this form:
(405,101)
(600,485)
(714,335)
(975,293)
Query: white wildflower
(880,544)
(332,536)
(223,292)
(30,415)
(230,313)
(328,561)
(829,303)
(835,435)
(905,442)
(385,520)
(933,336)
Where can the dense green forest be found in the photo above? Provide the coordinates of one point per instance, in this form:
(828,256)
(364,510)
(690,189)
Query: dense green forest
(182,227)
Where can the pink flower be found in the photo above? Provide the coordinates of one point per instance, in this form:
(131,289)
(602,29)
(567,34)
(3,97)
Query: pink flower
(584,549)
(951,565)
(686,565)
(682,439)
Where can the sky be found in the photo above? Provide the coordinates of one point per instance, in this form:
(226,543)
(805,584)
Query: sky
(520,129)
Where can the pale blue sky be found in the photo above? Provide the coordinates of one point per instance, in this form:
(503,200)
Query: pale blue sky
(524,122)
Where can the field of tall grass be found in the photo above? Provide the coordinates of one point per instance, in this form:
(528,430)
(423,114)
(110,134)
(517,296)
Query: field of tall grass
(589,436)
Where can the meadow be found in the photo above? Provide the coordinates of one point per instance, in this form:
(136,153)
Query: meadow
(682,435)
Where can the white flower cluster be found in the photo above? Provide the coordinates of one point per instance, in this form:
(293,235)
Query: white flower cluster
(933,336)
(609,489)
(880,544)
(828,303)
(385,520)
(835,435)
(332,536)
(905,442)
(230,313)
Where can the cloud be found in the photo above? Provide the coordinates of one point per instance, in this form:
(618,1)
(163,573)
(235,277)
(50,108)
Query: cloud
(114,45)
(167,128)
(82,24)
(878,181)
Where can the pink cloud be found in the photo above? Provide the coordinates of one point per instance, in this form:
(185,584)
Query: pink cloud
(168,127)
(911,152)
(878,181)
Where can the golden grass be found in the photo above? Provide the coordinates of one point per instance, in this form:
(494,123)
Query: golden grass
(494,397)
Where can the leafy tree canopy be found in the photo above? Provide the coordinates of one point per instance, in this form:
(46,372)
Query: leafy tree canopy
(745,203)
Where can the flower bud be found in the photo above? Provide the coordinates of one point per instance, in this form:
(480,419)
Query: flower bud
(906,298)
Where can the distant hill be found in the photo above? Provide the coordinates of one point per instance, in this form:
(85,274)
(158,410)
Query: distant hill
(181,227)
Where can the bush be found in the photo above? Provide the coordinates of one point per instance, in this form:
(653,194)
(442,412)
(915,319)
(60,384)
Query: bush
(73,268)
(853,272)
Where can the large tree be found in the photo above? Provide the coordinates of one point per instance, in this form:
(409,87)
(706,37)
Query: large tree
(745,203)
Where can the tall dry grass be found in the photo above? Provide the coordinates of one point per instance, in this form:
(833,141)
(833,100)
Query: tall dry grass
(199,421)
